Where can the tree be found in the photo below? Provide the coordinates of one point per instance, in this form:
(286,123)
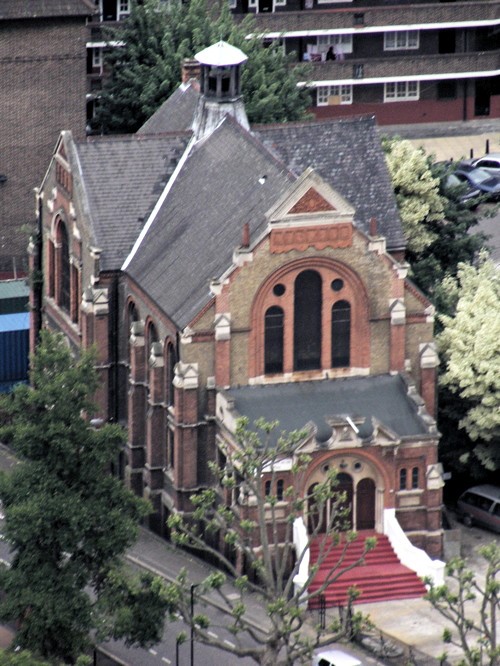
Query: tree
(67,519)
(241,520)
(417,192)
(470,348)
(472,608)
(144,69)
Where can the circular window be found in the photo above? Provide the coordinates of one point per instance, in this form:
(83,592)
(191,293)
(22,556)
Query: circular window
(279,289)
(337,284)
(357,466)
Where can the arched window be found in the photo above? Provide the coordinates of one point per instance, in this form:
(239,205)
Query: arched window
(402,479)
(170,373)
(307,321)
(341,334)
(414,478)
(280,487)
(267,488)
(152,336)
(273,340)
(64,299)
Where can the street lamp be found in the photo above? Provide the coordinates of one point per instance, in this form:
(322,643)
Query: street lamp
(193,587)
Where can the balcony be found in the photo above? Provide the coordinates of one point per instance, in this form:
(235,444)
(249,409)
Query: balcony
(457,65)
(486,12)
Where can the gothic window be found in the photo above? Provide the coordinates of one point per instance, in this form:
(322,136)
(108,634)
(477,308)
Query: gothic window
(307,321)
(64,296)
(341,334)
(273,340)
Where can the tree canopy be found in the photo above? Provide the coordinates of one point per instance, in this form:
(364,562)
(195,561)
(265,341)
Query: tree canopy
(145,67)
(244,520)
(470,348)
(67,519)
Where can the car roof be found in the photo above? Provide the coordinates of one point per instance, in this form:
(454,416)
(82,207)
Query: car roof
(495,156)
(339,657)
(486,490)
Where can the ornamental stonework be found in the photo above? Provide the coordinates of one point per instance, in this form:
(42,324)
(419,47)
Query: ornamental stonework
(311,202)
(319,237)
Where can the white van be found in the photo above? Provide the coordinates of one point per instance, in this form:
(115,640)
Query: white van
(334,657)
(480,505)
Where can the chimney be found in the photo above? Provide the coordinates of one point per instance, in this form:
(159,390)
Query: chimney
(373,226)
(190,69)
(245,238)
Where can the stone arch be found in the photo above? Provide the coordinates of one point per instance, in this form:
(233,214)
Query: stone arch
(277,290)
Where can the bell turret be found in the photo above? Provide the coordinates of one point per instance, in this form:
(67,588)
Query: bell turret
(220,87)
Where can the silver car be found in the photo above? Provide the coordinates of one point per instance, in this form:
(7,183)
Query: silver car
(490,163)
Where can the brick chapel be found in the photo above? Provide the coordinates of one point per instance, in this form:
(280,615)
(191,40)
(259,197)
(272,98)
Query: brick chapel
(225,270)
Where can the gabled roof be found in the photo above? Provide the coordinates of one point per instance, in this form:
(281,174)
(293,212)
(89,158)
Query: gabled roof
(29,9)
(347,154)
(176,113)
(383,398)
(122,179)
(199,225)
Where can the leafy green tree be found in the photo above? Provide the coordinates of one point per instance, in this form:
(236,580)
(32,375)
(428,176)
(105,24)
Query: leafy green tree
(240,520)
(417,192)
(22,658)
(67,519)
(472,608)
(470,348)
(144,69)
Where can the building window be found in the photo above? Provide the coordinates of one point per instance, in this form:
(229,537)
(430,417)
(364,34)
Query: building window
(123,8)
(96,58)
(267,488)
(64,295)
(414,478)
(402,40)
(273,340)
(402,479)
(341,44)
(170,449)
(307,321)
(170,373)
(447,89)
(280,487)
(331,95)
(341,335)
(401,91)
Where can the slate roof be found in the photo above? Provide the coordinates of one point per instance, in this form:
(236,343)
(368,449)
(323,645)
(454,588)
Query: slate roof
(200,223)
(347,154)
(175,114)
(123,178)
(26,9)
(384,397)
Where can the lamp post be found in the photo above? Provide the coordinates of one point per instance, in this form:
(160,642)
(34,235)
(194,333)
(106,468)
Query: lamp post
(193,587)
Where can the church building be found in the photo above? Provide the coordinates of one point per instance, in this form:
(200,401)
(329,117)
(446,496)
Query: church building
(223,270)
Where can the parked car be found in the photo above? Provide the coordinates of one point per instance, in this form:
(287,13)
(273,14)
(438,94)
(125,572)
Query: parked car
(480,505)
(490,163)
(466,193)
(479,179)
(334,657)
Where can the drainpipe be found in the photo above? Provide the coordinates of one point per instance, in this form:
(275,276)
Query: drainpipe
(37,277)
(465,101)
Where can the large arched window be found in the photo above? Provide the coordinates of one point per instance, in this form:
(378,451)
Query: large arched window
(64,295)
(307,321)
(341,334)
(273,340)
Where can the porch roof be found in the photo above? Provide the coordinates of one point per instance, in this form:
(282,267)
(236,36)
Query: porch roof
(295,404)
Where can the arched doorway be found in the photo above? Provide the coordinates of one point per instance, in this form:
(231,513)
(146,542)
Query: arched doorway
(365,504)
(345,485)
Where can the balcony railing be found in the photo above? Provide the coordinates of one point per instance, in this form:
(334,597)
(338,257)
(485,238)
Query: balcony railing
(455,64)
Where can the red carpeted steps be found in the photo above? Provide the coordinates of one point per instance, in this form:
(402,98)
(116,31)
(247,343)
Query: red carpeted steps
(382,577)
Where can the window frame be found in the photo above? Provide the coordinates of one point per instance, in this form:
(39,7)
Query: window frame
(343,91)
(411,40)
(404,86)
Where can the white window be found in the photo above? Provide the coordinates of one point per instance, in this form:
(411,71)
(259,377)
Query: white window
(232,4)
(330,95)
(401,91)
(402,40)
(96,58)
(123,8)
(342,42)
